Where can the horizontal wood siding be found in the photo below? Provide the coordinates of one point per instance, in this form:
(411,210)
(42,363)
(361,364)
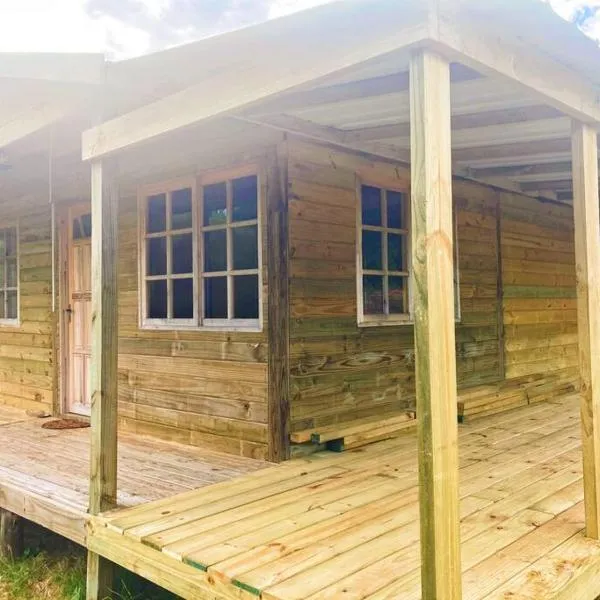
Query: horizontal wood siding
(26,352)
(204,388)
(340,371)
(539,307)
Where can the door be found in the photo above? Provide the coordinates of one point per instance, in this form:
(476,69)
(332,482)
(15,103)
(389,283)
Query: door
(78,313)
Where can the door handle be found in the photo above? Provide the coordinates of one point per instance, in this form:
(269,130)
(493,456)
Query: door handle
(69,312)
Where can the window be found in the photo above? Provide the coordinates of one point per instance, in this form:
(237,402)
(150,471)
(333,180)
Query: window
(201,254)
(384,261)
(9,276)
(384,257)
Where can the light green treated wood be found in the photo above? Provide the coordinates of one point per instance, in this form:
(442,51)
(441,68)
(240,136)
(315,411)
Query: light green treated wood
(103,371)
(432,281)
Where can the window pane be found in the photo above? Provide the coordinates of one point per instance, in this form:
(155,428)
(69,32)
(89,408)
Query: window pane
(86,225)
(245,297)
(156,218)
(371,205)
(372,250)
(157,256)
(11,304)
(397,287)
(215,297)
(2,268)
(11,242)
(245,247)
(77,231)
(11,272)
(183,298)
(182,254)
(181,209)
(157,299)
(215,251)
(395,210)
(245,198)
(215,204)
(373,295)
(2,307)
(396,255)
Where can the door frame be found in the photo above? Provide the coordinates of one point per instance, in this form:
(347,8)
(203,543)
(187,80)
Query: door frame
(64,237)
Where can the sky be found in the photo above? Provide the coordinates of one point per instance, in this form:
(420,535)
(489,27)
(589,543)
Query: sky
(125,28)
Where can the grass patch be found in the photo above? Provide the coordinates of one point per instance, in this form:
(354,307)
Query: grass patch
(54,569)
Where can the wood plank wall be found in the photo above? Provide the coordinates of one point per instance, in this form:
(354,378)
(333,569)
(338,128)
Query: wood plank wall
(340,371)
(204,388)
(539,306)
(26,352)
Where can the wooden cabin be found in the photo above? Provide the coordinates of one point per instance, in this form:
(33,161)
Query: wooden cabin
(309,253)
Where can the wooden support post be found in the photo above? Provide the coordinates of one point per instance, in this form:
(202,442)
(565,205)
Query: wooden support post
(587,256)
(433,297)
(103,372)
(278,305)
(11,535)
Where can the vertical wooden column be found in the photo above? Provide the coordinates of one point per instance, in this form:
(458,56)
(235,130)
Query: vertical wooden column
(278,304)
(11,535)
(587,256)
(103,372)
(433,297)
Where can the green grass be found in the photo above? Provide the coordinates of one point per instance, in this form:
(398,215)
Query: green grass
(54,569)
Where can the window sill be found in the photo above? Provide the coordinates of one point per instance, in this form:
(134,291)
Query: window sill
(226,327)
(387,323)
(11,323)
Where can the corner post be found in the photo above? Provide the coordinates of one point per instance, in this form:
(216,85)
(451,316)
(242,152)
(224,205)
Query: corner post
(103,371)
(278,304)
(433,294)
(587,257)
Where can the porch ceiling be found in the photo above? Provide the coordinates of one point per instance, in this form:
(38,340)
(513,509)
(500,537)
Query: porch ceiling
(500,134)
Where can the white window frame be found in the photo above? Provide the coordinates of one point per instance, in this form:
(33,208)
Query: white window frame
(408,317)
(365,320)
(197,184)
(15,321)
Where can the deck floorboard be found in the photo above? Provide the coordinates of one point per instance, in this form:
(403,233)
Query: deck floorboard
(346,525)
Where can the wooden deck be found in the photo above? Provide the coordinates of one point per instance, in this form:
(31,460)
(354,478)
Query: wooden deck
(44,474)
(346,525)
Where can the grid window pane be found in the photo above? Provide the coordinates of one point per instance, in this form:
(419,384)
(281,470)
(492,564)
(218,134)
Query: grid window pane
(373,295)
(245,248)
(396,258)
(157,256)
(182,254)
(371,206)
(215,251)
(395,210)
(397,295)
(181,209)
(156,216)
(372,250)
(245,297)
(215,204)
(11,304)
(245,199)
(11,273)
(183,298)
(215,297)
(157,299)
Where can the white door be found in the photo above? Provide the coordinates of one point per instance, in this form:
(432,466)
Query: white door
(78,313)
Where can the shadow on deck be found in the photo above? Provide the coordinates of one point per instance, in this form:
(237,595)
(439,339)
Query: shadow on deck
(346,526)
(44,474)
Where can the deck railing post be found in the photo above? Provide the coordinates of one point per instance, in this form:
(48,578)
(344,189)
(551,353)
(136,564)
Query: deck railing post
(433,299)
(587,256)
(103,371)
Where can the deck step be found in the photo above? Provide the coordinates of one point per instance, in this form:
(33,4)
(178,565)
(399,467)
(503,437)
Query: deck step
(357,432)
